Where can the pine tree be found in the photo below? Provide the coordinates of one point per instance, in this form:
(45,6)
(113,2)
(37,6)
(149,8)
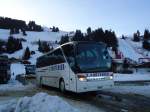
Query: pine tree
(56,42)
(115,40)
(78,36)
(57,29)
(26,54)
(64,39)
(16,31)
(46,47)
(136,37)
(10,45)
(89,30)
(123,37)
(23,32)
(53,29)
(146,45)
(12,31)
(20,45)
(138,33)
(40,46)
(146,34)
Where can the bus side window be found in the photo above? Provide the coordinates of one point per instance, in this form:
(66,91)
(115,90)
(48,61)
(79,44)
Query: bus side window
(69,53)
(59,58)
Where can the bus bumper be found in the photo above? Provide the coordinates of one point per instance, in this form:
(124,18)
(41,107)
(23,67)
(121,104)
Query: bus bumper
(88,86)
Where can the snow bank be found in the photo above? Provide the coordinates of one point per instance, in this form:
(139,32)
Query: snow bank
(8,106)
(40,102)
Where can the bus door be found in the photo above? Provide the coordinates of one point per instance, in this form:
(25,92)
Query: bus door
(69,54)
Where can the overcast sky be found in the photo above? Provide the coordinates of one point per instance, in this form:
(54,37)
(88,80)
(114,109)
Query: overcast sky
(122,16)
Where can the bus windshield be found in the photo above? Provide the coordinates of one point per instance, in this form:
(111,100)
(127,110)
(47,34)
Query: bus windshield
(92,57)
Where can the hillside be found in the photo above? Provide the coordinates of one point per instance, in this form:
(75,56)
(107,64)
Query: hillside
(31,38)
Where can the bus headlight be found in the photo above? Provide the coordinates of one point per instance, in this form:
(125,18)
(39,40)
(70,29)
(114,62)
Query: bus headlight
(82,77)
(111,77)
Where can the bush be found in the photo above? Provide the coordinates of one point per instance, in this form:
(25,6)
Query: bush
(13,44)
(135,37)
(32,52)
(43,46)
(64,39)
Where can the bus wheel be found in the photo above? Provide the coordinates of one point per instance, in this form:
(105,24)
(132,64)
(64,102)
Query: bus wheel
(62,86)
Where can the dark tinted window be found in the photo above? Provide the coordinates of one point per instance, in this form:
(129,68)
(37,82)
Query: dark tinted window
(52,58)
(69,54)
(56,57)
(93,57)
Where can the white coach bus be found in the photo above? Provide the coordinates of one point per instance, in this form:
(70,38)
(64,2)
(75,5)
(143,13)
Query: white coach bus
(76,66)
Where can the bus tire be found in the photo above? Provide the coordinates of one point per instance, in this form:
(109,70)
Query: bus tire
(62,86)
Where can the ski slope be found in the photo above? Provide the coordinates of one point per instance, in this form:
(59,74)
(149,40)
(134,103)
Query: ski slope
(128,51)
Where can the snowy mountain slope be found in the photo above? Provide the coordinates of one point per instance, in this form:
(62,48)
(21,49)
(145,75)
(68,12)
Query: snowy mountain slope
(34,36)
(138,48)
(31,38)
(128,51)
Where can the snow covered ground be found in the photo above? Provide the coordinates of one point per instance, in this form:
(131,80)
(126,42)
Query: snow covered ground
(40,102)
(14,97)
(131,89)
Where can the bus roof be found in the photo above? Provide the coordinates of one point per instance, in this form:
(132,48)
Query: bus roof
(76,42)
